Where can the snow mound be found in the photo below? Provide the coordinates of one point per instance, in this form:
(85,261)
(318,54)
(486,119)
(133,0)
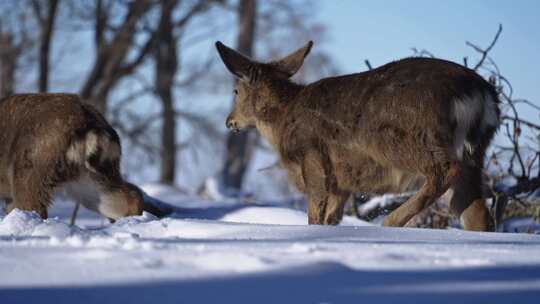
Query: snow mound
(279,216)
(25,223)
(267,215)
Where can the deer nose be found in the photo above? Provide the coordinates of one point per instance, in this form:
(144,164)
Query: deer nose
(231,123)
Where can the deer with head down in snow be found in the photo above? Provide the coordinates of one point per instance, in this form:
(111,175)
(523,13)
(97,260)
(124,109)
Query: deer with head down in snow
(415,119)
(50,142)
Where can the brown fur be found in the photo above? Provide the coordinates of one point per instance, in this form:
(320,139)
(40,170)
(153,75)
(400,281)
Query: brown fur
(54,141)
(390,129)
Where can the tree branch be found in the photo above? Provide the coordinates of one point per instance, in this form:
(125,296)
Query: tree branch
(485,52)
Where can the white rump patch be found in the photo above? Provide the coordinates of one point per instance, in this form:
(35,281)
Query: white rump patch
(91,142)
(79,151)
(75,152)
(468,109)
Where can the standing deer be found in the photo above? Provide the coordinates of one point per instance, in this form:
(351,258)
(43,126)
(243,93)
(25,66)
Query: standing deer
(54,141)
(377,131)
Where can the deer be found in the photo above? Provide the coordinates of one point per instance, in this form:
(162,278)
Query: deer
(414,122)
(53,143)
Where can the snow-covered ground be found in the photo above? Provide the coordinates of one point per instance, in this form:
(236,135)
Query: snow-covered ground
(237,253)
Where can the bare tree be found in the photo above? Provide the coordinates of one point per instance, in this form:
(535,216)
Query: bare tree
(239,146)
(8,63)
(15,43)
(166,69)
(46,17)
(164,44)
(166,64)
(111,63)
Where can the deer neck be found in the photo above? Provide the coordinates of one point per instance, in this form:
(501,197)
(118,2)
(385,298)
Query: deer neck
(283,94)
(269,132)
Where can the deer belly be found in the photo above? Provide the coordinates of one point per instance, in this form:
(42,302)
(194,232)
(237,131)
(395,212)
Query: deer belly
(370,177)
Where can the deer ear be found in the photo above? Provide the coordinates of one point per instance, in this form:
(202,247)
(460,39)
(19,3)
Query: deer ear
(292,63)
(235,62)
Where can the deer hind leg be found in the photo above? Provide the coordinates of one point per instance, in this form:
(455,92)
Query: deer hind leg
(467,201)
(435,185)
(476,216)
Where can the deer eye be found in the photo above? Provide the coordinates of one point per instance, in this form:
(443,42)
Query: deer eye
(235,92)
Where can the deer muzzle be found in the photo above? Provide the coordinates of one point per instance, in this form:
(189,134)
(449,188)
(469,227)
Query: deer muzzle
(232,124)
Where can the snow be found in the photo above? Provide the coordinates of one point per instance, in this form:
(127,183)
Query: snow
(247,253)
(380,201)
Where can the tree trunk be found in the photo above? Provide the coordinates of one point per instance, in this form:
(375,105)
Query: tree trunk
(168,141)
(239,146)
(8,64)
(166,66)
(46,20)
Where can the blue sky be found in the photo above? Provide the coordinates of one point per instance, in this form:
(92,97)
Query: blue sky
(382,31)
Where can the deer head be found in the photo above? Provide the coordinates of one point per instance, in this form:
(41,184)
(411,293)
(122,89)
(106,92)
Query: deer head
(257,93)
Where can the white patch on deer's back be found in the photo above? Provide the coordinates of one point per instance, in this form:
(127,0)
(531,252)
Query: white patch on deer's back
(91,143)
(480,107)
(81,150)
(466,110)
(75,152)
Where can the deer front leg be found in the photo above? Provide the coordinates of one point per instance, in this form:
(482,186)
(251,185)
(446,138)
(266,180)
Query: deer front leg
(325,201)
(316,209)
(334,208)
(313,174)
(476,217)
(325,209)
